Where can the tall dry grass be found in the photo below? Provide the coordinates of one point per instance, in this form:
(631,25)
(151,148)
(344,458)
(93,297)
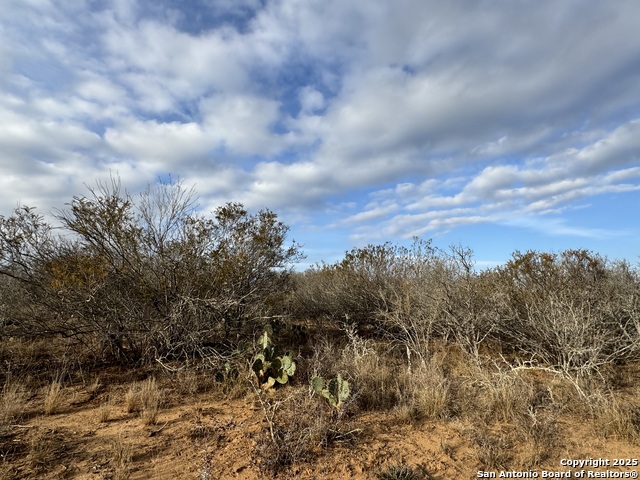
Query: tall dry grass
(53,397)
(144,398)
(121,456)
(13,399)
(150,398)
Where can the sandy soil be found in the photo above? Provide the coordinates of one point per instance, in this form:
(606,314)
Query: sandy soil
(204,434)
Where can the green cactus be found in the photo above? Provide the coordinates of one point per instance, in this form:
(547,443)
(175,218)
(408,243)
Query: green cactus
(269,368)
(336,390)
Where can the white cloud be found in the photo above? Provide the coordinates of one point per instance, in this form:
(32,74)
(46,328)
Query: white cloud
(156,60)
(496,193)
(242,123)
(374,213)
(165,144)
(441,114)
(311,100)
(101,89)
(559,227)
(42,140)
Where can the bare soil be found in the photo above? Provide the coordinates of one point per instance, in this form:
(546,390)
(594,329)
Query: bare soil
(207,436)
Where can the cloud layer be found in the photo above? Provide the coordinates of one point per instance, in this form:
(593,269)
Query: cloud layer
(393,119)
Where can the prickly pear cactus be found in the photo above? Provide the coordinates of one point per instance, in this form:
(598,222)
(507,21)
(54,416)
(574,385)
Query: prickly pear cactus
(336,390)
(269,368)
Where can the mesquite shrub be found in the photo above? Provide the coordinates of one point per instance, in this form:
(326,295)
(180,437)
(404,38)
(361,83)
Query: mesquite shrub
(573,311)
(135,279)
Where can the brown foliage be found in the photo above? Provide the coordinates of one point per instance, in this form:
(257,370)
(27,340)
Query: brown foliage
(149,277)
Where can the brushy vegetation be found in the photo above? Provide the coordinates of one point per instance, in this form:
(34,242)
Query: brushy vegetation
(418,331)
(133,280)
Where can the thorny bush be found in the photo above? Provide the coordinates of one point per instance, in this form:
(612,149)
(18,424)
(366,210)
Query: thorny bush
(140,278)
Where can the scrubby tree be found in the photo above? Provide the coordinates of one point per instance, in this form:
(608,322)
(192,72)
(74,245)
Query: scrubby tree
(144,277)
(574,311)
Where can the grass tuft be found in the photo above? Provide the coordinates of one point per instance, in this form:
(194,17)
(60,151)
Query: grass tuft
(104,410)
(45,449)
(617,419)
(397,472)
(121,454)
(150,397)
(53,397)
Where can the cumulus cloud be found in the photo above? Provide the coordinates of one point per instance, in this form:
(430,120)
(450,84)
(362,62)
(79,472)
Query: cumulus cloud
(506,192)
(396,118)
(311,100)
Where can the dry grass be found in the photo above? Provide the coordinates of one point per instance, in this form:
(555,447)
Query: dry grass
(494,451)
(231,380)
(529,434)
(105,409)
(425,393)
(26,356)
(541,429)
(132,399)
(150,397)
(188,382)
(45,450)
(616,418)
(493,394)
(397,472)
(372,373)
(121,456)
(506,395)
(7,470)
(53,397)
(12,402)
(94,388)
(375,380)
(144,398)
(228,379)
(300,426)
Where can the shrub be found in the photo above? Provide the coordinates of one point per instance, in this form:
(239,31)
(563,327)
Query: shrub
(360,286)
(148,276)
(408,294)
(298,425)
(571,311)
(470,313)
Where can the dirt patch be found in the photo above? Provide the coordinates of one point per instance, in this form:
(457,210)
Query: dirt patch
(205,436)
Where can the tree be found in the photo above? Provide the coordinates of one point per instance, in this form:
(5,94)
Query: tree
(148,276)
(574,311)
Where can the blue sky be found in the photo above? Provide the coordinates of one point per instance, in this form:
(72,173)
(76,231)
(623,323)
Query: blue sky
(498,125)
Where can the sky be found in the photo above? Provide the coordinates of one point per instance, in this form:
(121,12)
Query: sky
(495,125)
